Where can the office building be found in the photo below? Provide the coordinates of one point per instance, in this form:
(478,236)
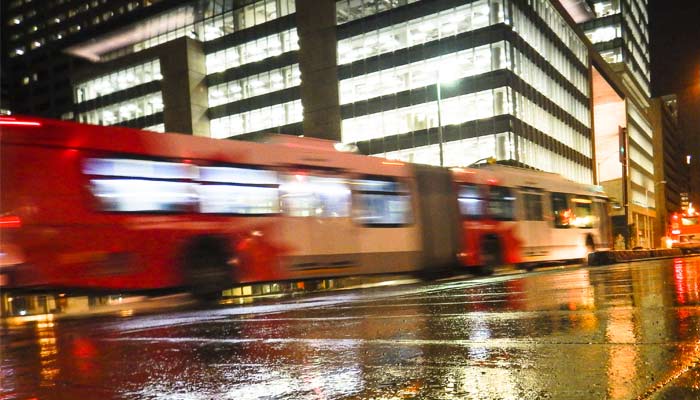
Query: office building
(671,170)
(498,78)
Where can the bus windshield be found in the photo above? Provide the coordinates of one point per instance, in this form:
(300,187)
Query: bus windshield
(689,221)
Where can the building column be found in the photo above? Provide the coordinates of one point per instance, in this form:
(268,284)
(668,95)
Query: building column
(185,92)
(319,69)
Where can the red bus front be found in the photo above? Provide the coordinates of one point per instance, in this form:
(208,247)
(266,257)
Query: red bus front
(684,230)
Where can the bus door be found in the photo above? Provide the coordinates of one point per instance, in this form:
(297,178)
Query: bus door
(316,226)
(534,228)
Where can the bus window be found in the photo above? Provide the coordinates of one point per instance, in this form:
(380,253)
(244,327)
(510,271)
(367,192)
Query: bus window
(128,185)
(304,195)
(500,204)
(583,213)
(228,190)
(381,202)
(471,201)
(689,221)
(533,206)
(561,211)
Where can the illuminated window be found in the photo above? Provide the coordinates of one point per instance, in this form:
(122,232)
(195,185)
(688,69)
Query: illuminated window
(304,195)
(118,80)
(471,201)
(228,190)
(124,111)
(382,203)
(210,27)
(605,8)
(561,210)
(124,185)
(256,50)
(582,213)
(266,82)
(454,110)
(446,68)
(418,31)
(604,34)
(500,204)
(257,120)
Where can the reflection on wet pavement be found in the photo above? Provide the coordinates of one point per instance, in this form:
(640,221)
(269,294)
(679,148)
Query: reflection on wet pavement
(620,332)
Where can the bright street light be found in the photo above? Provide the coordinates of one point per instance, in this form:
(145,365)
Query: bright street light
(452,75)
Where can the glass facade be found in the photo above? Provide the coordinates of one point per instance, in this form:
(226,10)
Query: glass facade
(641,157)
(493,78)
(116,81)
(350,10)
(418,31)
(256,120)
(535,113)
(206,20)
(256,85)
(415,75)
(253,51)
(124,111)
(621,33)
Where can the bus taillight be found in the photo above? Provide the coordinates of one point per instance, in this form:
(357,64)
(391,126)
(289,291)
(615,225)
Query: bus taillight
(9,121)
(10,221)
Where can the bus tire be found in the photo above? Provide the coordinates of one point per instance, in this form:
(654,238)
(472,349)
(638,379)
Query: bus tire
(206,268)
(490,256)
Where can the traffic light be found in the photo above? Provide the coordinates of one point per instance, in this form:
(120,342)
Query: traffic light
(622,134)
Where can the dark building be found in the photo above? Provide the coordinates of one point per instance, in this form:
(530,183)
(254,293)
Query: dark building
(671,169)
(36,72)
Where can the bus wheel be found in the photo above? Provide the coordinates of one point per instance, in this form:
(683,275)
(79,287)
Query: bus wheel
(206,268)
(490,256)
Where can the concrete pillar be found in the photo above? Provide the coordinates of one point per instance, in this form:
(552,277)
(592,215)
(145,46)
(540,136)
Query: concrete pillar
(185,94)
(319,69)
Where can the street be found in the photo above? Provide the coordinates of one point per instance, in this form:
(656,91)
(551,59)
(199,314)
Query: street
(626,331)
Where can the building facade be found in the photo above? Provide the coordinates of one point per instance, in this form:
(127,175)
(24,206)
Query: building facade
(671,170)
(619,32)
(36,77)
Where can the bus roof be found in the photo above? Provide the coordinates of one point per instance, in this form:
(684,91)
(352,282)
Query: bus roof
(286,151)
(522,177)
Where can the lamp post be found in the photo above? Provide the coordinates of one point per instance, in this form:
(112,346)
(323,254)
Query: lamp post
(438,89)
(439,110)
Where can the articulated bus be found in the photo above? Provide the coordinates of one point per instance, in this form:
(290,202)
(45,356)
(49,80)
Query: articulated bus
(110,208)
(684,230)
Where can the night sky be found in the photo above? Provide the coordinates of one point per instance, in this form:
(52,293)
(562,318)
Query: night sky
(675,45)
(675,68)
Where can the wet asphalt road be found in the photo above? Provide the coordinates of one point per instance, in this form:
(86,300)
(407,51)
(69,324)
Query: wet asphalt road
(627,331)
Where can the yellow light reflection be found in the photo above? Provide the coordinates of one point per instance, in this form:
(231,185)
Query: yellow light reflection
(46,337)
(623,356)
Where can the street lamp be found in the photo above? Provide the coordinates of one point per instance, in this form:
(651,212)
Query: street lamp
(451,74)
